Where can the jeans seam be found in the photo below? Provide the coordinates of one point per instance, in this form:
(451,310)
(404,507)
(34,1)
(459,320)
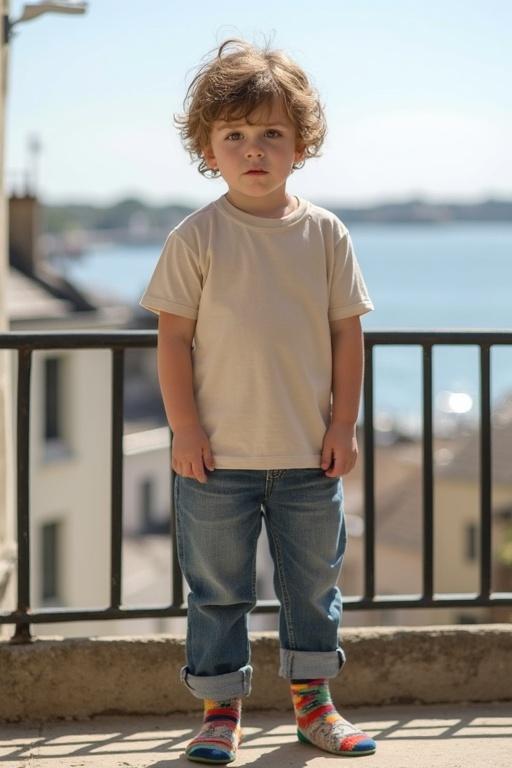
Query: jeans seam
(282,581)
(253,595)
(181,553)
(181,558)
(268,485)
(253,575)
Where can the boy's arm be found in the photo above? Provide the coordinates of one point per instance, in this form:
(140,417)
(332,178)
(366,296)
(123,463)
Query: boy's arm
(191,451)
(175,334)
(347,369)
(339,450)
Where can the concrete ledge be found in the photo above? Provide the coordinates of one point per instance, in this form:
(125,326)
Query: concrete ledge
(53,678)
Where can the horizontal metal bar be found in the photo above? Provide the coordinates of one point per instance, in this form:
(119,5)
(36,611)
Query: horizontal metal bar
(100,614)
(77,339)
(469,600)
(138,338)
(455,337)
(264,606)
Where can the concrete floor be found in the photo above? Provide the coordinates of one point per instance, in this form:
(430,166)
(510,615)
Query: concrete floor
(435,736)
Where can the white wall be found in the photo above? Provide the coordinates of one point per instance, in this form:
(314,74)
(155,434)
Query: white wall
(146,456)
(74,488)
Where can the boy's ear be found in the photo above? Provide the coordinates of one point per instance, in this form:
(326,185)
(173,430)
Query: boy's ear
(300,151)
(209,158)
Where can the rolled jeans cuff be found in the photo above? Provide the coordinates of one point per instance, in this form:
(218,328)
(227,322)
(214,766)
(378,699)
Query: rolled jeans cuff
(229,686)
(307,665)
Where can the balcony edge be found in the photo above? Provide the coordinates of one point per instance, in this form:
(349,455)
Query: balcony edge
(82,677)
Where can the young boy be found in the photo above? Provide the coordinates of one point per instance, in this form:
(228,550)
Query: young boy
(259,295)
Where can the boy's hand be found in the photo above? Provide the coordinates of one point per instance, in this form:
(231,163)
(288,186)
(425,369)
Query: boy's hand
(339,450)
(190,448)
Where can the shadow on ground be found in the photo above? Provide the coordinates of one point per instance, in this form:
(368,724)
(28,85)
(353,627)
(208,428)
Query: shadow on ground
(407,737)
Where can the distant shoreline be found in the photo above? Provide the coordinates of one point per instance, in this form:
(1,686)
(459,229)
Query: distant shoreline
(421,212)
(142,221)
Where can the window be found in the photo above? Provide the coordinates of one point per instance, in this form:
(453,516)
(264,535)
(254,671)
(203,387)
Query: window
(55,445)
(471,542)
(50,560)
(52,398)
(146,504)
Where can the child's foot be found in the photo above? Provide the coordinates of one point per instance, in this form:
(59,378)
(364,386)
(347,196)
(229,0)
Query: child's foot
(220,734)
(319,723)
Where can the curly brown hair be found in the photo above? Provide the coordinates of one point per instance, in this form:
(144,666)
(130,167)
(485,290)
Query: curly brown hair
(237,80)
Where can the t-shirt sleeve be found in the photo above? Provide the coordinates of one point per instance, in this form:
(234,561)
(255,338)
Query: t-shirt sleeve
(348,295)
(176,283)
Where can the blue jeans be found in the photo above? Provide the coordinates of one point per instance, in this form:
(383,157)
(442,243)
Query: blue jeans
(217,526)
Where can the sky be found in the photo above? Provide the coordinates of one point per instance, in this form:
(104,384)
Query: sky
(417,97)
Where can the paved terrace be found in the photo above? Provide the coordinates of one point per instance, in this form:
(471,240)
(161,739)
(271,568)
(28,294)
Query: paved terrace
(115,702)
(429,736)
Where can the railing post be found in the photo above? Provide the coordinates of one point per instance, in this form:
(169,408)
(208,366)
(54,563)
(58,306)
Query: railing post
(22,631)
(369,475)
(485,471)
(116,531)
(428,476)
(21,635)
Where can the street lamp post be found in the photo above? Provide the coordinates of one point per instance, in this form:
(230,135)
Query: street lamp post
(33,10)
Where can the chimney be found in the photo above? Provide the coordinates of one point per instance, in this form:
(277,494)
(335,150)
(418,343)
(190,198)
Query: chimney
(24,229)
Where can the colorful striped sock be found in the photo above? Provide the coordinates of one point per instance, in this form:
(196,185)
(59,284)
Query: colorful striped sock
(220,734)
(319,723)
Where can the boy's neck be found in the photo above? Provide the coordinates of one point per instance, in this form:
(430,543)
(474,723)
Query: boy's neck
(266,208)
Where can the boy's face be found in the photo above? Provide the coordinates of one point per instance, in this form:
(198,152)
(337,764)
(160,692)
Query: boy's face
(255,160)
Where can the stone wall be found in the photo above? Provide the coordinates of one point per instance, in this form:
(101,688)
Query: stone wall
(54,678)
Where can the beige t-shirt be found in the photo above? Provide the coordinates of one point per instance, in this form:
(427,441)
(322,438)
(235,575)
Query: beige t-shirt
(263,292)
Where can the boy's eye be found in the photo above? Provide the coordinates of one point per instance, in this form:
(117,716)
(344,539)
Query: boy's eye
(234,135)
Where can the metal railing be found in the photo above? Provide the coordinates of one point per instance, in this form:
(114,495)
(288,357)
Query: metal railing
(118,341)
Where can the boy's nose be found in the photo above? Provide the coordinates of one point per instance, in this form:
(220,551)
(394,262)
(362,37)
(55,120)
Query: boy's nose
(254,151)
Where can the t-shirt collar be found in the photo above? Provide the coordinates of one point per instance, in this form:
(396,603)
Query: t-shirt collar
(261,222)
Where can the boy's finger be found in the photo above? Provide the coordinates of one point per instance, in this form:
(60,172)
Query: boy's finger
(208,459)
(338,469)
(326,457)
(199,472)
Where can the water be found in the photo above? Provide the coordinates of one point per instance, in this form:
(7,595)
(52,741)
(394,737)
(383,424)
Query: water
(450,276)
(453,276)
